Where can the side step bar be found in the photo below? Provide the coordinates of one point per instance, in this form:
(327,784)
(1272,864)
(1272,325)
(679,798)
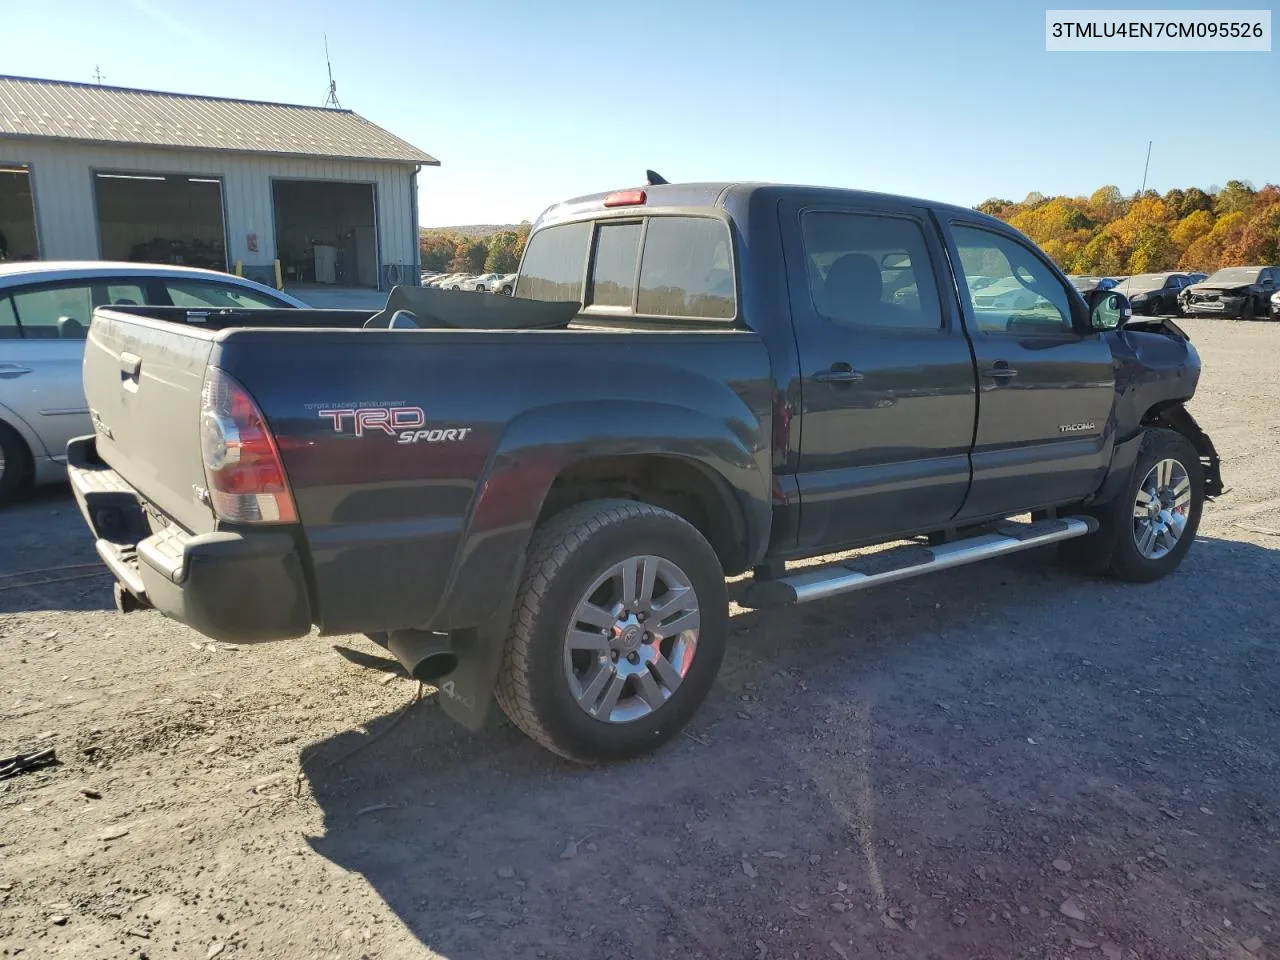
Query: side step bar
(899,563)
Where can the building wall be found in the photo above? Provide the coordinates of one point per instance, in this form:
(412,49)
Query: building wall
(66,220)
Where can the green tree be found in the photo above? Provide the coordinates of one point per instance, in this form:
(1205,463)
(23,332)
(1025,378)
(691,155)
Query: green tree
(1235,197)
(468,256)
(502,256)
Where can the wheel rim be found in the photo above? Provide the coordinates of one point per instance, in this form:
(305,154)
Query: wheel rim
(632,639)
(1161,509)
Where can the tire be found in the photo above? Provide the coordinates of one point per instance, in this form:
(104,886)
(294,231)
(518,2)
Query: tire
(1246,312)
(545,684)
(15,462)
(1115,549)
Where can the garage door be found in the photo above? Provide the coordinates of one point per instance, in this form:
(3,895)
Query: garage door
(146,218)
(325,232)
(17,215)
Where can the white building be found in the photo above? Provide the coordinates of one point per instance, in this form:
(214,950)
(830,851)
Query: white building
(93,172)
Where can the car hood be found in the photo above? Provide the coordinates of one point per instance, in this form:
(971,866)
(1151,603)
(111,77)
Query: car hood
(1217,287)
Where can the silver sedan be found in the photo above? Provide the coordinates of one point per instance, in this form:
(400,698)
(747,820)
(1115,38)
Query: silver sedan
(45,310)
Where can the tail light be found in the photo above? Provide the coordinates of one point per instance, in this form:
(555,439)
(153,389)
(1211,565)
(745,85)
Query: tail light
(242,463)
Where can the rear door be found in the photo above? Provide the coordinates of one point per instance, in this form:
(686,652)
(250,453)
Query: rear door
(1046,382)
(887,378)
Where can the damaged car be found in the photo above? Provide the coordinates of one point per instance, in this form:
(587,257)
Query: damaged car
(1239,292)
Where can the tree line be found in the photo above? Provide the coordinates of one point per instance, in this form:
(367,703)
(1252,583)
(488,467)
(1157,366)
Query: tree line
(1192,229)
(446,251)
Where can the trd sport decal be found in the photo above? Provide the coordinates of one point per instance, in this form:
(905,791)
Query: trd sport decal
(406,423)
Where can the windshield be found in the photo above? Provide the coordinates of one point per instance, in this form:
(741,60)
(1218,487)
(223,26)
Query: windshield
(1083,283)
(1235,275)
(1145,281)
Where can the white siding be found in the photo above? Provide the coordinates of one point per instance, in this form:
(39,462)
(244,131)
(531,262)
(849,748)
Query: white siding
(66,220)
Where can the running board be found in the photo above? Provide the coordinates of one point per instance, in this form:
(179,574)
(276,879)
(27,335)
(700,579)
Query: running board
(899,563)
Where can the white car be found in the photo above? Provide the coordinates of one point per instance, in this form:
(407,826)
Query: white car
(1275,305)
(481,283)
(45,310)
(505,284)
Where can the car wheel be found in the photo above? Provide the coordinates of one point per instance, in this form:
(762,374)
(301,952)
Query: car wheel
(1246,312)
(1144,533)
(617,633)
(507,290)
(15,462)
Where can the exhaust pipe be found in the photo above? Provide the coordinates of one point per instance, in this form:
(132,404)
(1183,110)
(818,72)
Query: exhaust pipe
(426,656)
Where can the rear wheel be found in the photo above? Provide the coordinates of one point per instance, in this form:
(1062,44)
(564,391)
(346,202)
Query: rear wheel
(617,634)
(15,461)
(1144,533)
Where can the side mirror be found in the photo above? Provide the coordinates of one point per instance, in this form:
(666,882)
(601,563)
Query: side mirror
(1110,310)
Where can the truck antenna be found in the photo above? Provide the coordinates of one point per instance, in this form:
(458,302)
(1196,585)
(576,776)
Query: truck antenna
(332,99)
(97,75)
(653,179)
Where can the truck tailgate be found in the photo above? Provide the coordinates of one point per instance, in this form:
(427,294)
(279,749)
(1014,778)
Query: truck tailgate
(142,380)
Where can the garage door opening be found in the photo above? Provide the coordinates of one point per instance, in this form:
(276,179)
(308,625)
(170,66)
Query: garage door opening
(17,215)
(325,232)
(144,218)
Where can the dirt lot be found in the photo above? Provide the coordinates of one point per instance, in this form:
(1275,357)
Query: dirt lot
(1001,761)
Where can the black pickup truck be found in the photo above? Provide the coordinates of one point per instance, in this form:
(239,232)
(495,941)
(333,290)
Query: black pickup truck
(540,497)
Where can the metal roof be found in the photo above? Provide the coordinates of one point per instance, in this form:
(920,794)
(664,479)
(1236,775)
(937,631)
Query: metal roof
(100,114)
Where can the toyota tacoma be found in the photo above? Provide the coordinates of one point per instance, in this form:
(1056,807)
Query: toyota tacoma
(540,497)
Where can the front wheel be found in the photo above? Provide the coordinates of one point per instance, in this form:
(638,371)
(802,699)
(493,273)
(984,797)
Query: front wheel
(617,633)
(1144,533)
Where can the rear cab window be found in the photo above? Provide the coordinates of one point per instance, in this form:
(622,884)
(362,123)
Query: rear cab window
(657,266)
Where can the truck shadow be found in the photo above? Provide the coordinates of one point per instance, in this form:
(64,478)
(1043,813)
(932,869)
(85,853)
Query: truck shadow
(907,716)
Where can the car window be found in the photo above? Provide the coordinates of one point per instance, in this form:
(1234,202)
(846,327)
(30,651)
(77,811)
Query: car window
(686,269)
(205,293)
(1026,296)
(124,294)
(870,270)
(55,312)
(8,321)
(613,265)
(554,263)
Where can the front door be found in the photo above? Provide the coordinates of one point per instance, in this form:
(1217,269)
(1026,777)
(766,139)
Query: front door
(887,379)
(1046,384)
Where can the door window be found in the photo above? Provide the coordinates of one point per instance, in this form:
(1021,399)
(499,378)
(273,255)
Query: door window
(1023,295)
(867,270)
(51,313)
(8,321)
(202,293)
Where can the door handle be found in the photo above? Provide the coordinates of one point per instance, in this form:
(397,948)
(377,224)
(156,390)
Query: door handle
(1000,370)
(130,365)
(11,371)
(839,373)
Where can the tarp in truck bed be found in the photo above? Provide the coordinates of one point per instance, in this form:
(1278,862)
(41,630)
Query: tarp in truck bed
(465,310)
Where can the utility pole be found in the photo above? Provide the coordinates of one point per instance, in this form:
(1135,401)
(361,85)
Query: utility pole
(1145,167)
(97,75)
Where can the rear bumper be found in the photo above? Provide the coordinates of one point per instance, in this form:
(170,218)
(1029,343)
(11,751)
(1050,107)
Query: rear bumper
(240,587)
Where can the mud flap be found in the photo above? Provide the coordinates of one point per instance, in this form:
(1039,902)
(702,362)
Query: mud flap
(467,692)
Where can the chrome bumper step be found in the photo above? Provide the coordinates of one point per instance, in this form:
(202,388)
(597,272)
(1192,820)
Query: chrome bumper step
(899,563)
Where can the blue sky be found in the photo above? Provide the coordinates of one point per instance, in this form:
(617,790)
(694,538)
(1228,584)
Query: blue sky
(529,103)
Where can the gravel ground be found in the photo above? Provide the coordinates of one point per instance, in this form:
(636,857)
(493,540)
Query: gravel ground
(999,761)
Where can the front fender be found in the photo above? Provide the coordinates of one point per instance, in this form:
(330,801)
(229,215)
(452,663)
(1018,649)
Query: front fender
(537,446)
